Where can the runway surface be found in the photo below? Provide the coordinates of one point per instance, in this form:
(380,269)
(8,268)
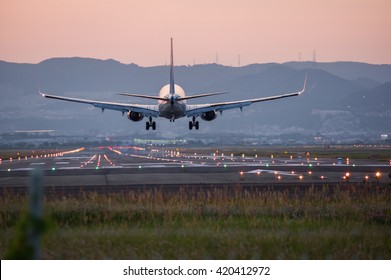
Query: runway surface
(135,167)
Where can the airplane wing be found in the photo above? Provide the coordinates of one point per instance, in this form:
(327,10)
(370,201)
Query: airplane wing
(147,110)
(196,110)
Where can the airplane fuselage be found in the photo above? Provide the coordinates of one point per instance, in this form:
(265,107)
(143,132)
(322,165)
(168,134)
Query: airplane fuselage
(172,109)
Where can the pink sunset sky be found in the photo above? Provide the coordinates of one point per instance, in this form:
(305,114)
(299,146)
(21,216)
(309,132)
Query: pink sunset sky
(139,31)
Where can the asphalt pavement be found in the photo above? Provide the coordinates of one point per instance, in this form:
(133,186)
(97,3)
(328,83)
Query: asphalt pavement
(136,167)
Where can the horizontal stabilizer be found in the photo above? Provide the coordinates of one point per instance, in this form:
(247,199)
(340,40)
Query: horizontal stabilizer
(143,96)
(167,99)
(201,95)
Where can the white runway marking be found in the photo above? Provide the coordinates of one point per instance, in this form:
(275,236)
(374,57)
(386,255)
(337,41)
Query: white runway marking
(23,169)
(69,158)
(69,168)
(256,171)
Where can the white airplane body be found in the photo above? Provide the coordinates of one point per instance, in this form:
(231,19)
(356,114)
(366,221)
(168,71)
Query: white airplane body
(172,103)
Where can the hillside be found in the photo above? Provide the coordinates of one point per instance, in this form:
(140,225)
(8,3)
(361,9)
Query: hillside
(333,103)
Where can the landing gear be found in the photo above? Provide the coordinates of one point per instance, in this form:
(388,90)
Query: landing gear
(194,123)
(149,124)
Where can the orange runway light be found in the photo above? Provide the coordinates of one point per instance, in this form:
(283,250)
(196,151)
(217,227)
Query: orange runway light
(366,177)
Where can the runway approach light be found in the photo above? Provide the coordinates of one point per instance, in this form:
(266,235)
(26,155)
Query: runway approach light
(366,177)
(241,173)
(347,176)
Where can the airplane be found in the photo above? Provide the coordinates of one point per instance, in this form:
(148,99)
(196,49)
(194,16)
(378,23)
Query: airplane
(172,103)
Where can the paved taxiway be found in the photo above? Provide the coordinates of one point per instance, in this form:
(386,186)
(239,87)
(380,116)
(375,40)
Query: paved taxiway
(136,167)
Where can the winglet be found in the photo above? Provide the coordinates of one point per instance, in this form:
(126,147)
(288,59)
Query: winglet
(172,85)
(305,84)
(39,88)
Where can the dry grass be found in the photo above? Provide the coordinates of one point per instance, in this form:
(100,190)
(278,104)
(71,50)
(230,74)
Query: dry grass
(337,223)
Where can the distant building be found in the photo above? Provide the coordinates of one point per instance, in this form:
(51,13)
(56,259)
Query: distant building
(384,137)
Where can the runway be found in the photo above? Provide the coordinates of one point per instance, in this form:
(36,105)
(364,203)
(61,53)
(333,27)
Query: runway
(137,167)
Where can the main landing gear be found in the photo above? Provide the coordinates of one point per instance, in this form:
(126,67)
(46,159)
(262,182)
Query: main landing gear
(194,123)
(149,124)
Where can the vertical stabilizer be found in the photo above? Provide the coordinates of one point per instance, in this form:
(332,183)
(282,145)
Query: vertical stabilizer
(172,87)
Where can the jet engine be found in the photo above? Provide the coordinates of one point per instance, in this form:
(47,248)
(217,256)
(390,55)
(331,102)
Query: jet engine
(135,116)
(208,116)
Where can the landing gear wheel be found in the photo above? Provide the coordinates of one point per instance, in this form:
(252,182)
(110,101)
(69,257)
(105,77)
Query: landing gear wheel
(194,123)
(150,124)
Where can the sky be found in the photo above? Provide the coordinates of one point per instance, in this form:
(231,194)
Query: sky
(204,31)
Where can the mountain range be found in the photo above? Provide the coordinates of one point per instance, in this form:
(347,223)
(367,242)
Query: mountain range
(342,98)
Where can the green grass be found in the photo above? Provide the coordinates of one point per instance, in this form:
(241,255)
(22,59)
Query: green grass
(343,223)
